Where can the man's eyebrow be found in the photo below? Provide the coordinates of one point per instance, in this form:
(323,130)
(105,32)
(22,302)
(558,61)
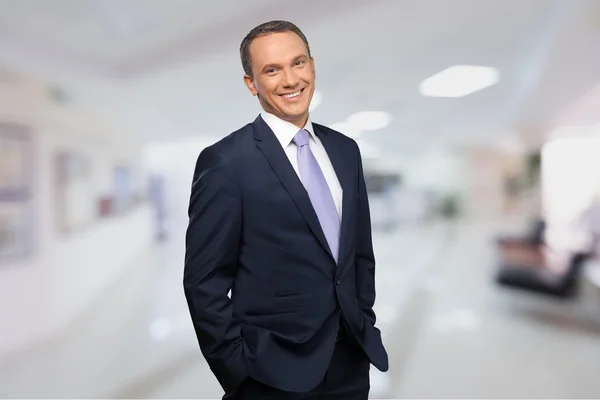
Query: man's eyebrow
(276,65)
(271,65)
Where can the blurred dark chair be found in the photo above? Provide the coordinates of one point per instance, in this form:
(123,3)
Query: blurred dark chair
(534,237)
(534,275)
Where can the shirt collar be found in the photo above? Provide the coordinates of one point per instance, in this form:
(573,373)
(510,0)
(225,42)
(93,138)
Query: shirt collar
(285,131)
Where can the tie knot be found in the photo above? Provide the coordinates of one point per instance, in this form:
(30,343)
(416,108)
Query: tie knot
(301,138)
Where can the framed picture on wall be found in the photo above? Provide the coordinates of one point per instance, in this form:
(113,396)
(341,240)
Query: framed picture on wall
(16,230)
(122,188)
(15,162)
(75,197)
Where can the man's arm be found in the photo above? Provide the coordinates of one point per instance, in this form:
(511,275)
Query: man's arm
(212,243)
(365,259)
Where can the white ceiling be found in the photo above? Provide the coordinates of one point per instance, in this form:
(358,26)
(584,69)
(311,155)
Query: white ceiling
(169,68)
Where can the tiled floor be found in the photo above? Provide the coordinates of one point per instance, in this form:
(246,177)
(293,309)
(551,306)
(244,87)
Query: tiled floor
(478,341)
(449,332)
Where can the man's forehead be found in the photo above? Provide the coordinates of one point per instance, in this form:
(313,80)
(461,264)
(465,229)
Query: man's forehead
(278,41)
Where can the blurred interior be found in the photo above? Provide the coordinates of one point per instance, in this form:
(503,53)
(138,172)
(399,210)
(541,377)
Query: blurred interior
(479,127)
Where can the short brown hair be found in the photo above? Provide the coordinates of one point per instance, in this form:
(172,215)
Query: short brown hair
(266,29)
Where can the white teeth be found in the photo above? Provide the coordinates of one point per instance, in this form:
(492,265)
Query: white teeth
(289,96)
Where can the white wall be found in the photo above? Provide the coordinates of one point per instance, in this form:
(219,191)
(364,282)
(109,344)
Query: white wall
(439,169)
(41,295)
(571,178)
(175,160)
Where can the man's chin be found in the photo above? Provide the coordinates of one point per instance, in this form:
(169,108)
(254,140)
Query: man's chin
(296,119)
(295,112)
(296,115)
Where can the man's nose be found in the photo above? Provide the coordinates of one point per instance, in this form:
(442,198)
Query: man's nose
(290,78)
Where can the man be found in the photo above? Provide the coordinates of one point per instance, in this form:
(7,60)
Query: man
(279,216)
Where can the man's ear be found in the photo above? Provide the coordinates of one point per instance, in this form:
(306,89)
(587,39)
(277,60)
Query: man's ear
(250,84)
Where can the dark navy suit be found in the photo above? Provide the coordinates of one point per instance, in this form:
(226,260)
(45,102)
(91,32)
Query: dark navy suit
(252,229)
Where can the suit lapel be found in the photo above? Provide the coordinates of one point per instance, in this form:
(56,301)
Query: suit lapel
(269,145)
(345,178)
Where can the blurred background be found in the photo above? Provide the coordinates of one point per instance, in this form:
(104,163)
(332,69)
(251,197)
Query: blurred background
(479,126)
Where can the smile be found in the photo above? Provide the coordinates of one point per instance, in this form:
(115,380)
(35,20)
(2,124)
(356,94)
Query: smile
(292,95)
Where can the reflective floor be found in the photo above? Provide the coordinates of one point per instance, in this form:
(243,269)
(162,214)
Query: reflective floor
(449,331)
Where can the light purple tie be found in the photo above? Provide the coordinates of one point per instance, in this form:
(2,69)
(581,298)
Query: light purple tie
(318,191)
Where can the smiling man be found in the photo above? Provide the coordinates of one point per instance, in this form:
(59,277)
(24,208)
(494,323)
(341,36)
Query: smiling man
(279,215)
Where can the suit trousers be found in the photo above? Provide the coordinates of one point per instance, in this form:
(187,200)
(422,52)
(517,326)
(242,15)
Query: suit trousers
(347,378)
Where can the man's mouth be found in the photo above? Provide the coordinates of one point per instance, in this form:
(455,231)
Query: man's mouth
(292,95)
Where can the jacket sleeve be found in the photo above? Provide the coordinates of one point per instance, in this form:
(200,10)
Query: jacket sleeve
(211,255)
(365,258)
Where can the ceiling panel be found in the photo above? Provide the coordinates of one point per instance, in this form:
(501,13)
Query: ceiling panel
(183,68)
(113,30)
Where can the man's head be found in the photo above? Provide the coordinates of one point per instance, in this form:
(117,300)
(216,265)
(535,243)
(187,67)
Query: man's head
(279,69)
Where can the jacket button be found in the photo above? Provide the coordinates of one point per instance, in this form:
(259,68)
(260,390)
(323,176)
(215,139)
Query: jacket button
(337,281)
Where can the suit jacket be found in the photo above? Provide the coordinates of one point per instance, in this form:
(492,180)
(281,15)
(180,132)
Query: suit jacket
(253,230)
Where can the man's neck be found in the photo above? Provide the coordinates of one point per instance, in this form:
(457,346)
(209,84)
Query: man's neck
(300,123)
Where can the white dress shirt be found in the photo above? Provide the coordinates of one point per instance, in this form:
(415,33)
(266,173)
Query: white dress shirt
(285,132)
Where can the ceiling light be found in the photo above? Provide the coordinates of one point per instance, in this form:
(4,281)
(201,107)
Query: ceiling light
(315,101)
(160,330)
(369,120)
(459,81)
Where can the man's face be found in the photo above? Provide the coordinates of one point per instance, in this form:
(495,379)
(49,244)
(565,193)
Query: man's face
(283,76)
